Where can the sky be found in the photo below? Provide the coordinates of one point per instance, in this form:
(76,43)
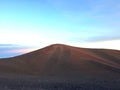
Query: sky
(26,25)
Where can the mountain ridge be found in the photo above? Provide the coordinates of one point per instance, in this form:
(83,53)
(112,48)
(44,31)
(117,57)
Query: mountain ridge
(65,61)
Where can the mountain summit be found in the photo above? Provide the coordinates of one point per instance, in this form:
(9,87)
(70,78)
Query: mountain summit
(65,61)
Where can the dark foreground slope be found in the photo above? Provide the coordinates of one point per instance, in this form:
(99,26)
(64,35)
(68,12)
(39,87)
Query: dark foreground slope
(61,66)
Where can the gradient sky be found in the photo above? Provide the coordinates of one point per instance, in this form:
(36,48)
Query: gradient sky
(37,23)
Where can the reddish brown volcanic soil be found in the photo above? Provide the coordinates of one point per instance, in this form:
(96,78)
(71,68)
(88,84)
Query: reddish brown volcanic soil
(65,61)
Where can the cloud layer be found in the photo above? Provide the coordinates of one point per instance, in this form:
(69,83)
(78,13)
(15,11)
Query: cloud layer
(10,50)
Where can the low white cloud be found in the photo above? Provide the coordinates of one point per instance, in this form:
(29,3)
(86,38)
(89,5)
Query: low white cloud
(111,44)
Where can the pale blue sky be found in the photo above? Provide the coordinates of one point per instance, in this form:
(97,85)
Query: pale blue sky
(77,22)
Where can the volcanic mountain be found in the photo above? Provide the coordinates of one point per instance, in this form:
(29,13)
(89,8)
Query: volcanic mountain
(65,61)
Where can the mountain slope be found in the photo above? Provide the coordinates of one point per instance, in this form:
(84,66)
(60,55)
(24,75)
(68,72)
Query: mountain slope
(65,61)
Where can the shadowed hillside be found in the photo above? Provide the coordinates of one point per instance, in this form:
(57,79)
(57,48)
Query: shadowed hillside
(62,60)
(65,63)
